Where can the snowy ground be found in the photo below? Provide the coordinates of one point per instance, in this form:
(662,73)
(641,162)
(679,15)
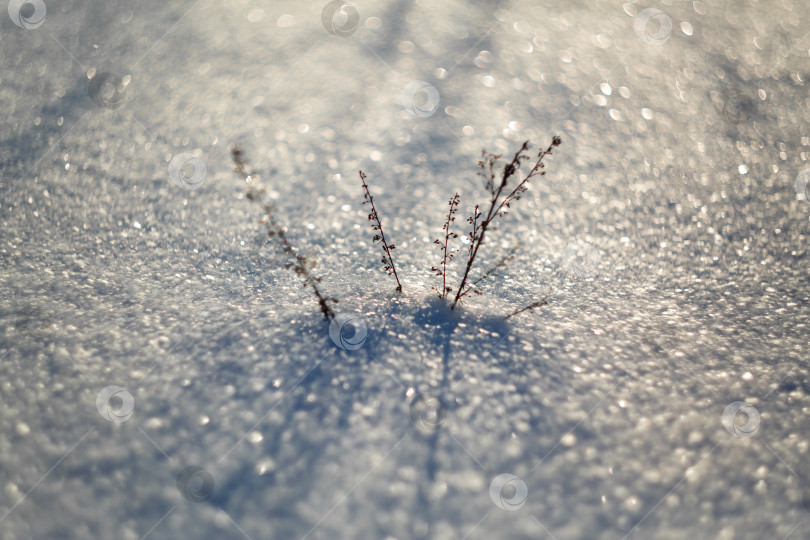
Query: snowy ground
(668,227)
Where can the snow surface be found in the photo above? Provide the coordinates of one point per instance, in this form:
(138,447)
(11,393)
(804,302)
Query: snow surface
(668,228)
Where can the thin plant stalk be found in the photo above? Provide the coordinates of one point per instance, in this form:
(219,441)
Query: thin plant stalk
(376,225)
(505,260)
(447,256)
(274,229)
(542,302)
(498,206)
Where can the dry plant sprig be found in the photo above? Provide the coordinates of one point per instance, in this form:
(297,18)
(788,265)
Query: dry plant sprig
(542,302)
(274,230)
(499,204)
(447,256)
(387,259)
(504,262)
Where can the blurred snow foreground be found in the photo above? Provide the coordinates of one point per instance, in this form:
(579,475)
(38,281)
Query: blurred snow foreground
(164,376)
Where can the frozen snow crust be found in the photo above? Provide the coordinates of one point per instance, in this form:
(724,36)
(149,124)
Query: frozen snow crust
(663,392)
